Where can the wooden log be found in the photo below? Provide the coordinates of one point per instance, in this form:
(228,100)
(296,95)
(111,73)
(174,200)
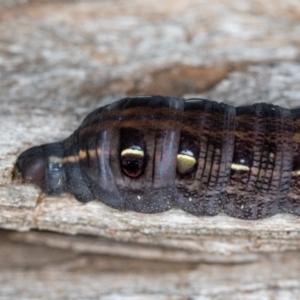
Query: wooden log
(172,230)
(60,60)
(35,272)
(220,234)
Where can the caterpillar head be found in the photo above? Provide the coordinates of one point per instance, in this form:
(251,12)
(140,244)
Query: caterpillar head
(42,165)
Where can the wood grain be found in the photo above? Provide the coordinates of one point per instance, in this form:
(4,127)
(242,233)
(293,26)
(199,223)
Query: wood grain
(60,60)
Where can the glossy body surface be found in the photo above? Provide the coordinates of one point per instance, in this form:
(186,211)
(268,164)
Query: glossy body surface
(152,153)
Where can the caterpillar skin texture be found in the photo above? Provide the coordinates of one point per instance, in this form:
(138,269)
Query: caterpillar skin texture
(151,153)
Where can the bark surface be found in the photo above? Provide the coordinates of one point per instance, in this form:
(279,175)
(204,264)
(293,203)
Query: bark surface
(59,60)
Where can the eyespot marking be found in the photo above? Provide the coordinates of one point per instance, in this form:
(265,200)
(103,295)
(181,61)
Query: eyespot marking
(130,151)
(187,152)
(132,161)
(186,162)
(239,167)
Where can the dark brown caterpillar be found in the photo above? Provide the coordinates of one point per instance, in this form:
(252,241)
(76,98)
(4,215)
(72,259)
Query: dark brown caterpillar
(151,153)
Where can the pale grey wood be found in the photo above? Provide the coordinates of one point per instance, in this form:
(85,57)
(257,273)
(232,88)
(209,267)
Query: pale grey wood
(60,60)
(44,273)
(97,245)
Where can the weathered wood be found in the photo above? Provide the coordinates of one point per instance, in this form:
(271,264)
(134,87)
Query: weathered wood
(59,61)
(35,272)
(64,214)
(174,229)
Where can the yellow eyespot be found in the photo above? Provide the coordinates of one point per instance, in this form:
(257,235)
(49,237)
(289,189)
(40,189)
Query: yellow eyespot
(239,167)
(130,151)
(185,163)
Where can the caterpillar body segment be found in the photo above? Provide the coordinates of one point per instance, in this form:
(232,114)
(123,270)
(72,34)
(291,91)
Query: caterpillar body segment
(149,154)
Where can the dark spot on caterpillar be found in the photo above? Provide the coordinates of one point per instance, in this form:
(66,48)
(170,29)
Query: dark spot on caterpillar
(132,161)
(149,154)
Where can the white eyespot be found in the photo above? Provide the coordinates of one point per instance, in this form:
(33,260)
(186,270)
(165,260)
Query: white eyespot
(187,152)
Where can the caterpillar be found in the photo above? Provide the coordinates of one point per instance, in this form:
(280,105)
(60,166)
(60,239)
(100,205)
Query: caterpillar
(151,153)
